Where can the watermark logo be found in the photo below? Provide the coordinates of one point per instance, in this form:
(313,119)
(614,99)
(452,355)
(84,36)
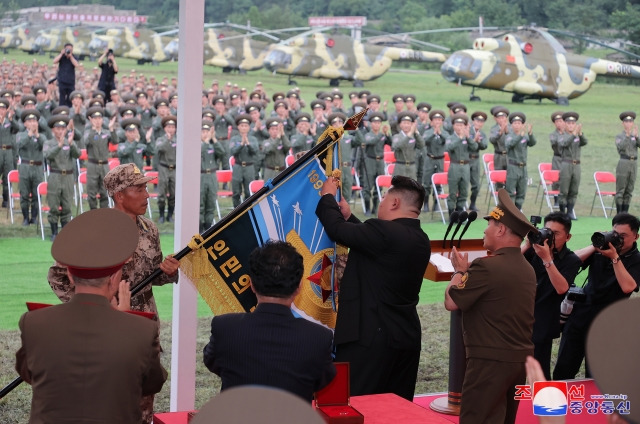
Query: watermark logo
(550,398)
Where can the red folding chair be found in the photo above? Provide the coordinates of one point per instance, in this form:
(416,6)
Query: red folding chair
(602,178)
(42,206)
(13,178)
(382,182)
(440,179)
(495,177)
(542,166)
(547,179)
(255,185)
(289,160)
(224,176)
(151,189)
(356,187)
(389,157)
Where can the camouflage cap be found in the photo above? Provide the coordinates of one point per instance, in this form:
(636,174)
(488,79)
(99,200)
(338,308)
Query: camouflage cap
(303,117)
(570,116)
(28,100)
(517,116)
(95,112)
(123,176)
(161,102)
(406,116)
(397,98)
(127,108)
(479,115)
(4,102)
(508,214)
(335,116)
(61,110)
(373,98)
(208,113)
(97,243)
(278,96)
(273,122)
(459,118)
(169,120)
(251,106)
(131,123)
(317,104)
(243,118)
(556,115)
(30,114)
(628,116)
(436,113)
(376,116)
(58,121)
(39,89)
(424,107)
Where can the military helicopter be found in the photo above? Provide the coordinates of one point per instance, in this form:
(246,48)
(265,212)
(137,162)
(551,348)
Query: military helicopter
(531,64)
(142,44)
(338,57)
(54,40)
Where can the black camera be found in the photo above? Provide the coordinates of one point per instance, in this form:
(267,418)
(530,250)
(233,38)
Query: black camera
(67,52)
(576,294)
(538,237)
(109,52)
(601,240)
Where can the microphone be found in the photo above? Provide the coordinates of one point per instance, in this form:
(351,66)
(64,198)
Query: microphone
(472,217)
(461,218)
(452,220)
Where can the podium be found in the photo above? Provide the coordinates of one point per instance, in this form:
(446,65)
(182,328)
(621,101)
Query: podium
(440,269)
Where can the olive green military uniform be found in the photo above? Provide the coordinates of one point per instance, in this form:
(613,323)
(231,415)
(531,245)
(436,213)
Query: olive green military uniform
(434,157)
(62,162)
(243,169)
(348,156)
(373,147)
(302,142)
(210,154)
(8,129)
(570,147)
(275,152)
(627,168)
(97,145)
(500,151)
(556,160)
(31,173)
(517,145)
(167,153)
(475,165)
(224,128)
(405,149)
(132,151)
(459,149)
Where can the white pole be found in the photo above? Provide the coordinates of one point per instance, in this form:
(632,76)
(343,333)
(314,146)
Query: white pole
(185,296)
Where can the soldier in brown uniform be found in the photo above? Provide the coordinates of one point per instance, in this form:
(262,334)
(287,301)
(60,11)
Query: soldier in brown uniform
(127,186)
(496,295)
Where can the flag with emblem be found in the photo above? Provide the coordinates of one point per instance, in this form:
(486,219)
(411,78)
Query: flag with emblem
(284,209)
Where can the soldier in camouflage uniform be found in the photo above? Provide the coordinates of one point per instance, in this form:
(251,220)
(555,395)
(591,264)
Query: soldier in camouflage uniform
(517,140)
(275,148)
(627,143)
(210,153)
(166,151)
(372,142)
(556,160)
(570,144)
(405,145)
(434,141)
(244,148)
(478,136)
(459,145)
(501,115)
(30,144)
(96,141)
(8,129)
(61,153)
(133,148)
(128,189)
(302,140)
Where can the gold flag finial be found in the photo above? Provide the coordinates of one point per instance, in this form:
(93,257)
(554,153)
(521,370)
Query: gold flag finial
(353,122)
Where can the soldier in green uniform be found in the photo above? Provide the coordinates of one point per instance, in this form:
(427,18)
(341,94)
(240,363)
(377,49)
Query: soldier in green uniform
(570,144)
(478,136)
(45,104)
(61,153)
(29,103)
(258,130)
(406,144)
(96,141)
(372,141)
(302,140)
(501,115)
(459,145)
(210,153)
(235,109)
(78,114)
(556,160)
(338,106)
(627,143)
(319,122)
(224,126)
(244,149)
(517,140)
(146,112)
(166,151)
(133,148)
(346,147)
(8,129)
(398,104)
(455,108)
(281,109)
(30,144)
(275,148)
(434,140)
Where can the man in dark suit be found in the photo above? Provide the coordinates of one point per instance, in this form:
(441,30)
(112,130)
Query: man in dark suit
(270,346)
(85,360)
(378,329)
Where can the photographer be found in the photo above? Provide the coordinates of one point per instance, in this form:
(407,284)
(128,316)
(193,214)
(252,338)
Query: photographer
(66,73)
(556,267)
(109,71)
(614,272)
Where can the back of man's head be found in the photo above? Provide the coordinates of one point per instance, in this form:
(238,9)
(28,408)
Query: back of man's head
(275,269)
(626,219)
(409,189)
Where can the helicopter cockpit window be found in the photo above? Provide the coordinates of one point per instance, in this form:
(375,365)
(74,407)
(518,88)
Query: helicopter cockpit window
(278,57)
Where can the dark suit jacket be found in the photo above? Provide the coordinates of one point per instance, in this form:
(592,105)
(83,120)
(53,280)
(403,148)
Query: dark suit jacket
(270,347)
(88,362)
(382,279)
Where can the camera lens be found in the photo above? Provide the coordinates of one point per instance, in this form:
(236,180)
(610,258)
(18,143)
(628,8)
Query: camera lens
(68,51)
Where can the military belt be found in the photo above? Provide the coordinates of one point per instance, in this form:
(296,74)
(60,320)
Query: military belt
(275,168)
(460,162)
(207,171)
(628,157)
(171,167)
(516,163)
(7,147)
(346,163)
(375,157)
(61,171)
(434,156)
(33,162)
(474,156)
(244,163)
(405,163)
(503,153)
(557,156)
(98,162)
(571,161)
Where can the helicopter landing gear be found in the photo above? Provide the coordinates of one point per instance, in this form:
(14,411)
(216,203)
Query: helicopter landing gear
(292,82)
(358,83)
(517,98)
(334,82)
(473,97)
(563,101)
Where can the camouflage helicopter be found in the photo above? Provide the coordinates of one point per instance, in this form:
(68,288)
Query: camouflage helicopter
(54,40)
(9,37)
(531,64)
(339,57)
(25,37)
(142,44)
